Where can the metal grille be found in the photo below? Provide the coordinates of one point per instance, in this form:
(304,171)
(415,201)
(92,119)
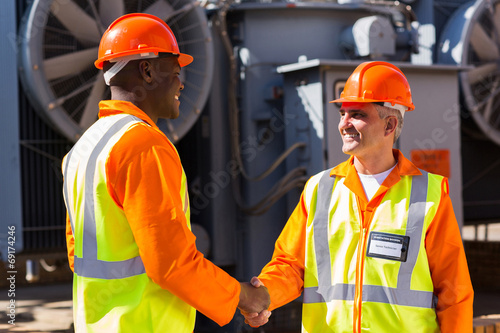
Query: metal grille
(42,150)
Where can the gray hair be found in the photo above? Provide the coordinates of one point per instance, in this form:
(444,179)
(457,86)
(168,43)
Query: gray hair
(384,112)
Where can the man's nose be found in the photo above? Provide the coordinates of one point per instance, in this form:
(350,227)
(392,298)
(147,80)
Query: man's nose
(345,121)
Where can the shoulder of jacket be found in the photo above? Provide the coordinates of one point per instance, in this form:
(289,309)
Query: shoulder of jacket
(432,178)
(140,138)
(312,185)
(144,133)
(438,183)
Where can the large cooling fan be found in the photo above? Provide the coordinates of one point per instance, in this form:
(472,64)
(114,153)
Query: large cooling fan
(58,45)
(472,38)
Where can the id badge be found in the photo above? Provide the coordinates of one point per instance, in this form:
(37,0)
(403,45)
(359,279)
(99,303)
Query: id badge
(387,246)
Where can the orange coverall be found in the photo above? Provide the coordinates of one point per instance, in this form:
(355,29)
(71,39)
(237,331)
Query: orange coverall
(284,274)
(144,174)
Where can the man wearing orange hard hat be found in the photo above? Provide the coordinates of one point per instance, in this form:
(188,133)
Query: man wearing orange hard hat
(136,266)
(373,244)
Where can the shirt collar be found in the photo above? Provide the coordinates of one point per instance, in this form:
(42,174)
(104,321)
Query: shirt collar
(112,107)
(347,170)
(404,166)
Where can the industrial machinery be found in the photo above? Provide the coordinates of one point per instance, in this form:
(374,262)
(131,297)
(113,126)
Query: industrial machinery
(255,120)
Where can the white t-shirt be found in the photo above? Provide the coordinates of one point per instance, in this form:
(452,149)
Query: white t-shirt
(371,183)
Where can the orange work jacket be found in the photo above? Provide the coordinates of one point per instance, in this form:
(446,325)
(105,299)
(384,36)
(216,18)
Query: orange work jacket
(144,172)
(284,274)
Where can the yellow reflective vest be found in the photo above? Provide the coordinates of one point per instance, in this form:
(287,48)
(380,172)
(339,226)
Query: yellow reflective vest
(355,278)
(111,291)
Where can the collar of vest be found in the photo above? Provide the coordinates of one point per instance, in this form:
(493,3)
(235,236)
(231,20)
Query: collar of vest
(404,167)
(113,107)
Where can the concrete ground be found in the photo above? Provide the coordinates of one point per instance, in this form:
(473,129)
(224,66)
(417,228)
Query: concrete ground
(48,308)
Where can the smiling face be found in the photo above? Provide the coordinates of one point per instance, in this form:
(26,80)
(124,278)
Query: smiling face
(168,87)
(363,133)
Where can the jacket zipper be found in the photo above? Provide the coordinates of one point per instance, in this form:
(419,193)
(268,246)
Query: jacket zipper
(358,299)
(358,294)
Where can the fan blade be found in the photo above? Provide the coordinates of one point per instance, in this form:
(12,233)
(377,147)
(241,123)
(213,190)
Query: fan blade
(171,130)
(485,48)
(496,21)
(91,110)
(110,10)
(481,72)
(77,21)
(160,8)
(489,110)
(188,100)
(180,13)
(61,100)
(69,64)
(477,107)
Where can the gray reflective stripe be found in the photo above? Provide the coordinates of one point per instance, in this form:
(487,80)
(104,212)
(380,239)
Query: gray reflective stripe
(379,294)
(320,227)
(414,227)
(89,224)
(402,295)
(89,265)
(416,298)
(186,201)
(338,291)
(108,269)
(65,189)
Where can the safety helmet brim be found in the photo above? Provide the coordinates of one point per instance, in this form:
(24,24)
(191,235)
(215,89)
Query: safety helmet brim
(409,107)
(184,59)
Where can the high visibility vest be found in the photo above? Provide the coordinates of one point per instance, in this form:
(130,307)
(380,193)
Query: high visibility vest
(111,291)
(339,279)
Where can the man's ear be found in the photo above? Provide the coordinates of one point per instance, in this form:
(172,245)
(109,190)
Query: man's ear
(146,70)
(390,125)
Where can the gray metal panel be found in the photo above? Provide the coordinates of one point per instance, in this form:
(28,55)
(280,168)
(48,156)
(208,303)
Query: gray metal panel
(303,98)
(10,179)
(218,171)
(266,39)
(435,122)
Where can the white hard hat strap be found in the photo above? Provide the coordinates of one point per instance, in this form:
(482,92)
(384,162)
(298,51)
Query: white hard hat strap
(121,62)
(117,66)
(401,108)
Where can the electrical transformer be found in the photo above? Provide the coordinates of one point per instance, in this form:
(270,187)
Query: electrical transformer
(255,120)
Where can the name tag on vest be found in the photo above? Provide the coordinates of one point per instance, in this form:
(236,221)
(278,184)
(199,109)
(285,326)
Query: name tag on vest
(387,246)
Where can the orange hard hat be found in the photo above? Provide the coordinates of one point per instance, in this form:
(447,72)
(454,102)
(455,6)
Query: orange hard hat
(135,35)
(377,81)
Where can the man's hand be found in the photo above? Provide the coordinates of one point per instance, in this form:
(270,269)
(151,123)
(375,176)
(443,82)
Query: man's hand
(255,317)
(254,297)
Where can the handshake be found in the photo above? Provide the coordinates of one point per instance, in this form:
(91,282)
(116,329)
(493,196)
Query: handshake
(254,302)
